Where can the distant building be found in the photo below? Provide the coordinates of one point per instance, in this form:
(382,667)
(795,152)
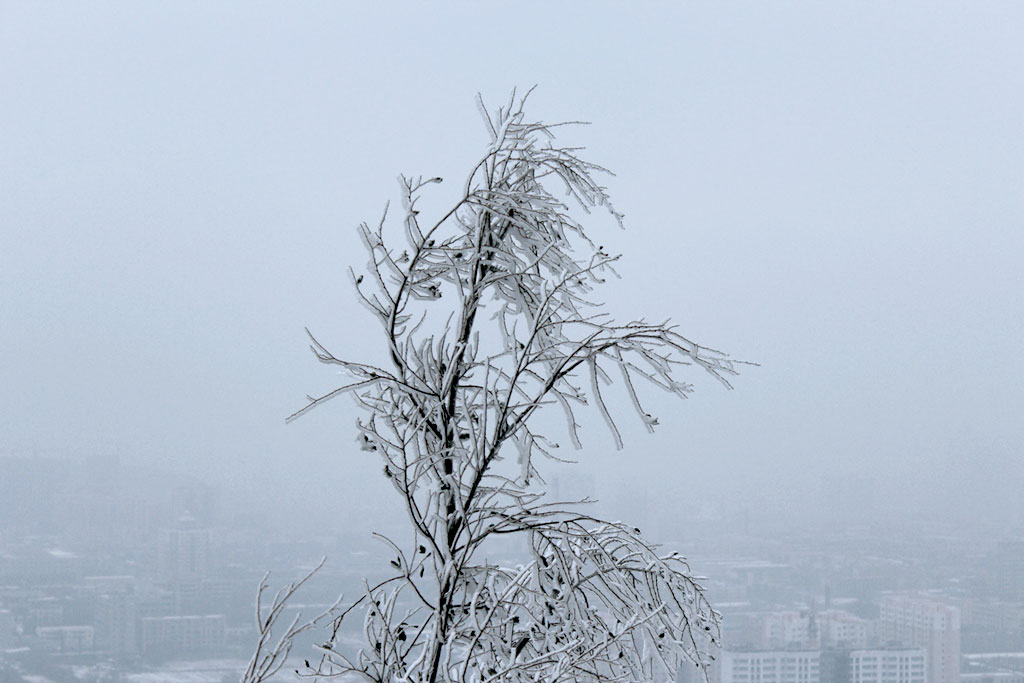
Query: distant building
(155,601)
(116,610)
(183,553)
(822,666)
(788,630)
(46,611)
(741,627)
(917,621)
(993,667)
(992,677)
(809,630)
(842,630)
(1006,565)
(164,637)
(68,640)
(769,666)
(991,625)
(889,666)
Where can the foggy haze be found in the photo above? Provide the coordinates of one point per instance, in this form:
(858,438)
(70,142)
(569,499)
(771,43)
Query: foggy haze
(832,191)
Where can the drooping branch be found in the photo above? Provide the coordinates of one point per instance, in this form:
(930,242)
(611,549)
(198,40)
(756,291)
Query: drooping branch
(489,315)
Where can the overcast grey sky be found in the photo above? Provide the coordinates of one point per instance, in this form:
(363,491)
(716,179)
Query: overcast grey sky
(833,190)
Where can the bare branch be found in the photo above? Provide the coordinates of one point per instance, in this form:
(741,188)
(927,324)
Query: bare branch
(594,602)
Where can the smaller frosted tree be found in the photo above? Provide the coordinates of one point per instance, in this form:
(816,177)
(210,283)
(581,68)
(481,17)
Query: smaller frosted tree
(488,317)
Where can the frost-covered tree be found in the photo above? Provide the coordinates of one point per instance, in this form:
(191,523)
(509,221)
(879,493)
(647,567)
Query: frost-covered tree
(488,315)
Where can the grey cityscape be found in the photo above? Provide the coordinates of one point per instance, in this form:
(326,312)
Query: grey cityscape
(114,572)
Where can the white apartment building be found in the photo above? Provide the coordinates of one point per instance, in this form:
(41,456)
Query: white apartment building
(811,630)
(838,628)
(889,666)
(917,621)
(788,629)
(770,667)
(184,553)
(901,665)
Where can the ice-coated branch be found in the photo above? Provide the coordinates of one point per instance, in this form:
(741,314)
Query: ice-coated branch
(270,655)
(489,314)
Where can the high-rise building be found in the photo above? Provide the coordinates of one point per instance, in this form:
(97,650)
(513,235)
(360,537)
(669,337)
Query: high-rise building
(922,622)
(115,610)
(184,553)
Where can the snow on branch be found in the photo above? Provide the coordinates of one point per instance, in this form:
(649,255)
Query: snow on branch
(489,314)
